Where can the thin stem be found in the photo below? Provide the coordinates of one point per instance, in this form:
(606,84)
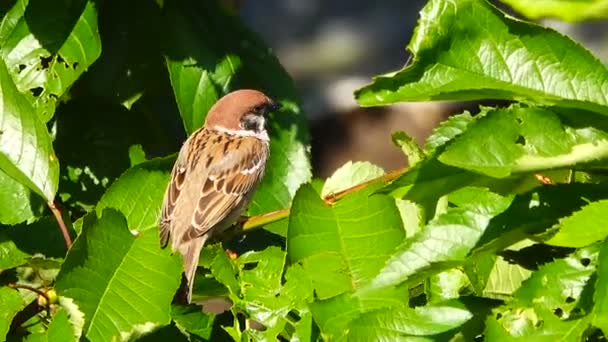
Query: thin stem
(266,218)
(258,221)
(35,290)
(62,226)
(333,198)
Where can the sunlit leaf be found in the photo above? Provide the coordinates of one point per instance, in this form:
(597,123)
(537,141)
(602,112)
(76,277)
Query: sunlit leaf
(467,50)
(26,152)
(47,46)
(123,283)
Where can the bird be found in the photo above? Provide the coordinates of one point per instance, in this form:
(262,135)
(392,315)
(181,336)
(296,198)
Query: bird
(215,175)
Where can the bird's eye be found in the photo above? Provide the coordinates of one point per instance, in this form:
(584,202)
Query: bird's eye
(258,109)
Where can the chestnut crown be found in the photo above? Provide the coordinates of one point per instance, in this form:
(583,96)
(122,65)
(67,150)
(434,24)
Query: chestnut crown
(240,110)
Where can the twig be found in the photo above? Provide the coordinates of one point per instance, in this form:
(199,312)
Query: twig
(35,290)
(258,221)
(264,219)
(333,198)
(62,226)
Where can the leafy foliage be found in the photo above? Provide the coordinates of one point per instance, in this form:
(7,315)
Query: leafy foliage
(497,231)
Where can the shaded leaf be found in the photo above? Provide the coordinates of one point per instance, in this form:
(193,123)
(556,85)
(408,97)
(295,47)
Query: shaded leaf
(192,319)
(131,64)
(18,244)
(93,156)
(59,330)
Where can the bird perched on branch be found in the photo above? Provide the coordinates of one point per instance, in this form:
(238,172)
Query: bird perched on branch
(215,175)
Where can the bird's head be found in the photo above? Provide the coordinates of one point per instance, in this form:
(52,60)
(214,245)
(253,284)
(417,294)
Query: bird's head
(241,112)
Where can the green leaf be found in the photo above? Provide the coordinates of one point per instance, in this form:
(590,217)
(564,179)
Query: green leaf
(26,153)
(584,227)
(412,215)
(536,212)
(10,255)
(600,297)
(504,279)
(334,314)
(448,130)
(349,175)
(95,155)
(138,193)
(59,330)
(467,50)
(550,304)
(341,247)
(192,319)
(395,324)
(267,300)
(11,303)
(123,283)
(16,201)
(47,46)
(520,139)
(528,324)
(567,10)
(210,52)
(446,285)
(446,239)
(409,147)
(18,244)
(428,181)
(567,279)
(255,285)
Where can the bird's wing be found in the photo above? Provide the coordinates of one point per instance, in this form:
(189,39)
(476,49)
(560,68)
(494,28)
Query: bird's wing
(233,172)
(174,188)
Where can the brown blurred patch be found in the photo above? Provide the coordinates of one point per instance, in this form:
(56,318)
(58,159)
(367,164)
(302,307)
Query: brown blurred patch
(365,134)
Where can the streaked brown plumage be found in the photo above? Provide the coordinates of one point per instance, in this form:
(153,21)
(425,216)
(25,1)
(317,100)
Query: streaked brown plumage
(215,175)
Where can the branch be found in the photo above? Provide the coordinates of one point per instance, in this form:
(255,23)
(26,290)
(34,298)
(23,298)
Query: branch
(258,221)
(62,226)
(33,289)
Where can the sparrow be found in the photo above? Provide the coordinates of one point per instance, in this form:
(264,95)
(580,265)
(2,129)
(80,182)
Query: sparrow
(215,175)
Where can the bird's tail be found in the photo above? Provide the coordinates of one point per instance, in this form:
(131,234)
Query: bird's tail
(190,252)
